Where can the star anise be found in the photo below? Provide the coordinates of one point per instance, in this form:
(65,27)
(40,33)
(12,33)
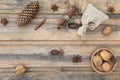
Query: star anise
(4,21)
(76,58)
(54,7)
(110,9)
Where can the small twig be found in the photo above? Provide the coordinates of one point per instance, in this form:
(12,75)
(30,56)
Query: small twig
(40,24)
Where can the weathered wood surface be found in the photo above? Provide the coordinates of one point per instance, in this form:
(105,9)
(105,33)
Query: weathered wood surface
(61,75)
(15,6)
(29,47)
(12,32)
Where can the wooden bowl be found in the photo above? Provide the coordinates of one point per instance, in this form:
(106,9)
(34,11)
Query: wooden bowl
(97,52)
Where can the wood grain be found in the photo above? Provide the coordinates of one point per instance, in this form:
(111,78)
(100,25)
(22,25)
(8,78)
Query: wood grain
(29,47)
(49,32)
(60,75)
(39,56)
(15,6)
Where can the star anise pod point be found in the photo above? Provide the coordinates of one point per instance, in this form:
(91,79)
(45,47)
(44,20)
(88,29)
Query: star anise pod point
(54,7)
(4,21)
(76,58)
(111,9)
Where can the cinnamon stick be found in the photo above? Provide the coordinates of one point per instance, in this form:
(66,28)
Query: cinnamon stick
(40,24)
(69,14)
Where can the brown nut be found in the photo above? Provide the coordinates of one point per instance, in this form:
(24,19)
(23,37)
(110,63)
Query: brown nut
(73,25)
(20,69)
(105,55)
(56,52)
(106,66)
(97,60)
(107,30)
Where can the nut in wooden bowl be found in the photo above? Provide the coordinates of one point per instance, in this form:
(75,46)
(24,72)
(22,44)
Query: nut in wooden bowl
(97,60)
(106,66)
(105,55)
(103,61)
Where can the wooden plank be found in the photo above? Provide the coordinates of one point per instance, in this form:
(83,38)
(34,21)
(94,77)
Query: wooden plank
(60,76)
(51,33)
(102,4)
(38,56)
(59,42)
(29,47)
(12,32)
(15,6)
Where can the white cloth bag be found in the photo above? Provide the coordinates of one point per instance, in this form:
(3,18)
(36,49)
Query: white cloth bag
(91,18)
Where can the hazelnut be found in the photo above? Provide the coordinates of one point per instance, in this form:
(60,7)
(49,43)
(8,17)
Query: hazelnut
(20,69)
(106,66)
(107,30)
(56,52)
(97,60)
(73,25)
(105,55)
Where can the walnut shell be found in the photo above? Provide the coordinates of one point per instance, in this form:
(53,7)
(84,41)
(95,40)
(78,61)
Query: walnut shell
(97,60)
(105,55)
(106,66)
(107,30)
(20,69)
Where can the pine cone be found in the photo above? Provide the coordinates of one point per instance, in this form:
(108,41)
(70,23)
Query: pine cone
(28,13)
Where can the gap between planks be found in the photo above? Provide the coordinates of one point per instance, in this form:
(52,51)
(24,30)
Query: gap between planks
(59,42)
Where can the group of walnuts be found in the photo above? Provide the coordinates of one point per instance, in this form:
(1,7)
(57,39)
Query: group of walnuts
(103,60)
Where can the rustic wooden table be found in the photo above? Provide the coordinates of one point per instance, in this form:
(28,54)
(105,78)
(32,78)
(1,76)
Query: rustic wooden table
(30,47)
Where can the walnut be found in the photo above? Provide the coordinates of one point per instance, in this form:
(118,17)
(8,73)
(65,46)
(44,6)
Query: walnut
(56,52)
(105,55)
(20,69)
(106,66)
(97,60)
(107,30)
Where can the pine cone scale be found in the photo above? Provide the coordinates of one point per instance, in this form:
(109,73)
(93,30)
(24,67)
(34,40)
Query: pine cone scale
(28,14)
